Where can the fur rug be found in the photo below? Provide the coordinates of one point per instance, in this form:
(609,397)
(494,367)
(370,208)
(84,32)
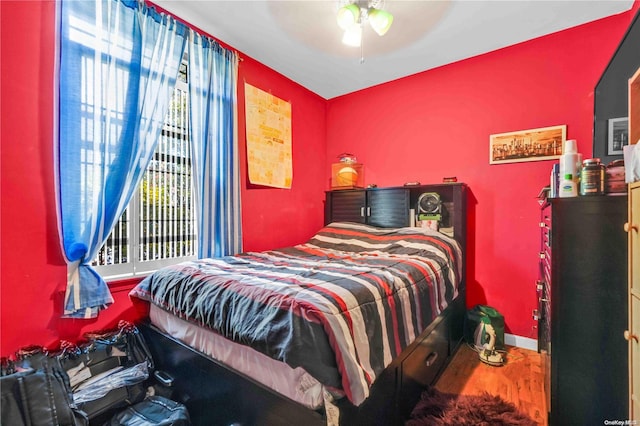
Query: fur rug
(435,408)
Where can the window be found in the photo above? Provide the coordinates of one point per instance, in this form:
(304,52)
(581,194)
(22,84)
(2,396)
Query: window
(158,227)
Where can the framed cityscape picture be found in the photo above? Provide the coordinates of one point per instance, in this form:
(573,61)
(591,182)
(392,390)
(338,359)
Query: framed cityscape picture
(545,143)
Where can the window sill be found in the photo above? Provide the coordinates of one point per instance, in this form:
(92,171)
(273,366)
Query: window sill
(123,284)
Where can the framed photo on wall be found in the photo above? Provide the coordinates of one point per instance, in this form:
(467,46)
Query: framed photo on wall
(545,143)
(618,135)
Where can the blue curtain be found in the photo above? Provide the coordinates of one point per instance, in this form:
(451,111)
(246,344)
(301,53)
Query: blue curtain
(213,76)
(118,63)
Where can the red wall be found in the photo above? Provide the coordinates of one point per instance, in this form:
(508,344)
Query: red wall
(275,217)
(33,273)
(437,123)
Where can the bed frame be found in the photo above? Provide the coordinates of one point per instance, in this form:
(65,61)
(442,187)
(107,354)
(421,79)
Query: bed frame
(218,395)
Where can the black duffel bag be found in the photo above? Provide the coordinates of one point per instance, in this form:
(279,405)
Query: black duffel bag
(36,392)
(108,371)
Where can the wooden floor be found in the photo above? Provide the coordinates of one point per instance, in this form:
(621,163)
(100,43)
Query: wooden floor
(520,380)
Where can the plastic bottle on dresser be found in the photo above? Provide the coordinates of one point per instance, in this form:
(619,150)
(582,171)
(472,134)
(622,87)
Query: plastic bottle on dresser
(554,180)
(570,162)
(568,187)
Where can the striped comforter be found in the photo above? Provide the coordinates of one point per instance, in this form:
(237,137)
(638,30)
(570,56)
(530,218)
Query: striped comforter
(341,306)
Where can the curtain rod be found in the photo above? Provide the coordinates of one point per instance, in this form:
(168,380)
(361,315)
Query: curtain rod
(191,27)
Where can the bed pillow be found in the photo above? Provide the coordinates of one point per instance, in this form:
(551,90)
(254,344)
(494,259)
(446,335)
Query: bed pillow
(360,238)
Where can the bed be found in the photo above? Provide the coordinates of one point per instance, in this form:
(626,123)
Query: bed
(342,329)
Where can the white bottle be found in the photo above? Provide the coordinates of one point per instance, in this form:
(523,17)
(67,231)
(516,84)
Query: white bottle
(568,186)
(570,161)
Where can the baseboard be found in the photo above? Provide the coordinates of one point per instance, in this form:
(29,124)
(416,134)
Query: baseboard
(521,342)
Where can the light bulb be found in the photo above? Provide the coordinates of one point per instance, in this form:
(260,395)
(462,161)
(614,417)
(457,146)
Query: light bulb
(353,35)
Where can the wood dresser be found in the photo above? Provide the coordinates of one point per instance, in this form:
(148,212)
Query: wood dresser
(632,333)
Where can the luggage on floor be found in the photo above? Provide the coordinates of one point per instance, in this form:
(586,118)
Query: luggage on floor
(108,371)
(36,392)
(91,382)
(154,410)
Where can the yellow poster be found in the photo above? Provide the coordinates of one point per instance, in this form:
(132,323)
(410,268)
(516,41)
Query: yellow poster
(268,138)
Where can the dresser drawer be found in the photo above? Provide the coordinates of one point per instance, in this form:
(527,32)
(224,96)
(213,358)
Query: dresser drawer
(424,363)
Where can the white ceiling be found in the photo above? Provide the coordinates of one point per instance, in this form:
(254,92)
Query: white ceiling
(301,40)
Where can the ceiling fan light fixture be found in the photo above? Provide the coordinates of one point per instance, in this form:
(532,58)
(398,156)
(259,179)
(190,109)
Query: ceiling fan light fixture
(353,36)
(348,16)
(380,20)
